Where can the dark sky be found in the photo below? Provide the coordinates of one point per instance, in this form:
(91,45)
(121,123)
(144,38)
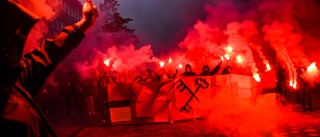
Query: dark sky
(162,23)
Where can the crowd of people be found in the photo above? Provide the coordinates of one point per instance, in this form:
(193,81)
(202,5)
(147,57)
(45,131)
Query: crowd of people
(162,74)
(299,96)
(90,95)
(22,76)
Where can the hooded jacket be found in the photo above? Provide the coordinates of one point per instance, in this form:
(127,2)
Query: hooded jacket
(188,73)
(19,114)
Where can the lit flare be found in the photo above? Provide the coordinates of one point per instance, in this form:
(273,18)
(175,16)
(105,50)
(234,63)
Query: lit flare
(229,49)
(312,68)
(227,56)
(256,76)
(239,59)
(161,64)
(107,62)
(268,67)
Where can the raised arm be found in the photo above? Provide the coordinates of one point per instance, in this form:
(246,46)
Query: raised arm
(40,63)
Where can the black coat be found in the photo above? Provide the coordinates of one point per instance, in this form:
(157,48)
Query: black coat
(21,115)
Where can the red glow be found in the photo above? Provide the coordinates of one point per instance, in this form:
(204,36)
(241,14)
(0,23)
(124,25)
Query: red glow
(293,83)
(239,59)
(180,66)
(227,56)
(256,76)
(107,62)
(170,60)
(161,64)
(229,49)
(312,68)
(268,67)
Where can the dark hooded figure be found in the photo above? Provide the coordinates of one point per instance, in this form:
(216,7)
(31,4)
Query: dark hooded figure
(227,70)
(188,71)
(150,75)
(206,70)
(21,77)
(304,92)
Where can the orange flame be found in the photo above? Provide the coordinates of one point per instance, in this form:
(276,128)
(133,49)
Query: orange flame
(293,83)
(170,60)
(227,56)
(221,57)
(106,62)
(239,59)
(256,76)
(312,68)
(180,66)
(229,49)
(161,64)
(268,67)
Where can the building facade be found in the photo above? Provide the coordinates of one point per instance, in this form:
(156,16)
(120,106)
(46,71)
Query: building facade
(69,14)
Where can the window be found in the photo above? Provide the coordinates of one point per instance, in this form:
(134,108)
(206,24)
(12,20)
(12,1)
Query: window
(72,13)
(61,25)
(68,10)
(65,6)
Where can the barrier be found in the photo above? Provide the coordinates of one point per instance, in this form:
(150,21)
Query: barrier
(179,99)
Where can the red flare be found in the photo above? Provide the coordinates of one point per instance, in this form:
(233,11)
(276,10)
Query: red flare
(268,67)
(312,68)
(107,62)
(229,49)
(227,56)
(161,64)
(239,59)
(180,66)
(256,76)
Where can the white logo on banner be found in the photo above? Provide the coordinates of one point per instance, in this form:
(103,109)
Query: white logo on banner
(191,94)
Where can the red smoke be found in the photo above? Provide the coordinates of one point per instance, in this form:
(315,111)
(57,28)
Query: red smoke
(46,10)
(252,29)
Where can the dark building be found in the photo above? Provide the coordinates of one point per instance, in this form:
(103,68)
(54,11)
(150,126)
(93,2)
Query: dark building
(69,14)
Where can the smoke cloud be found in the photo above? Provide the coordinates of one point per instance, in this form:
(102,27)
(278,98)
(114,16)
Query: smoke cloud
(47,11)
(272,31)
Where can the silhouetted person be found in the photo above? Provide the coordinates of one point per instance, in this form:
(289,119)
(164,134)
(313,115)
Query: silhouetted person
(79,98)
(188,71)
(21,77)
(150,76)
(206,70)
(216,69)
(68,96)
(45,99)
(89,91)
(227,70)
(102,98)
(304,91)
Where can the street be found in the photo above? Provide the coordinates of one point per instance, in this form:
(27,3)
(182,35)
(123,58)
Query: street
(296,124)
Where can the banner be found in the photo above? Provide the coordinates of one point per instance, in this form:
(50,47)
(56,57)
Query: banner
(182,98)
